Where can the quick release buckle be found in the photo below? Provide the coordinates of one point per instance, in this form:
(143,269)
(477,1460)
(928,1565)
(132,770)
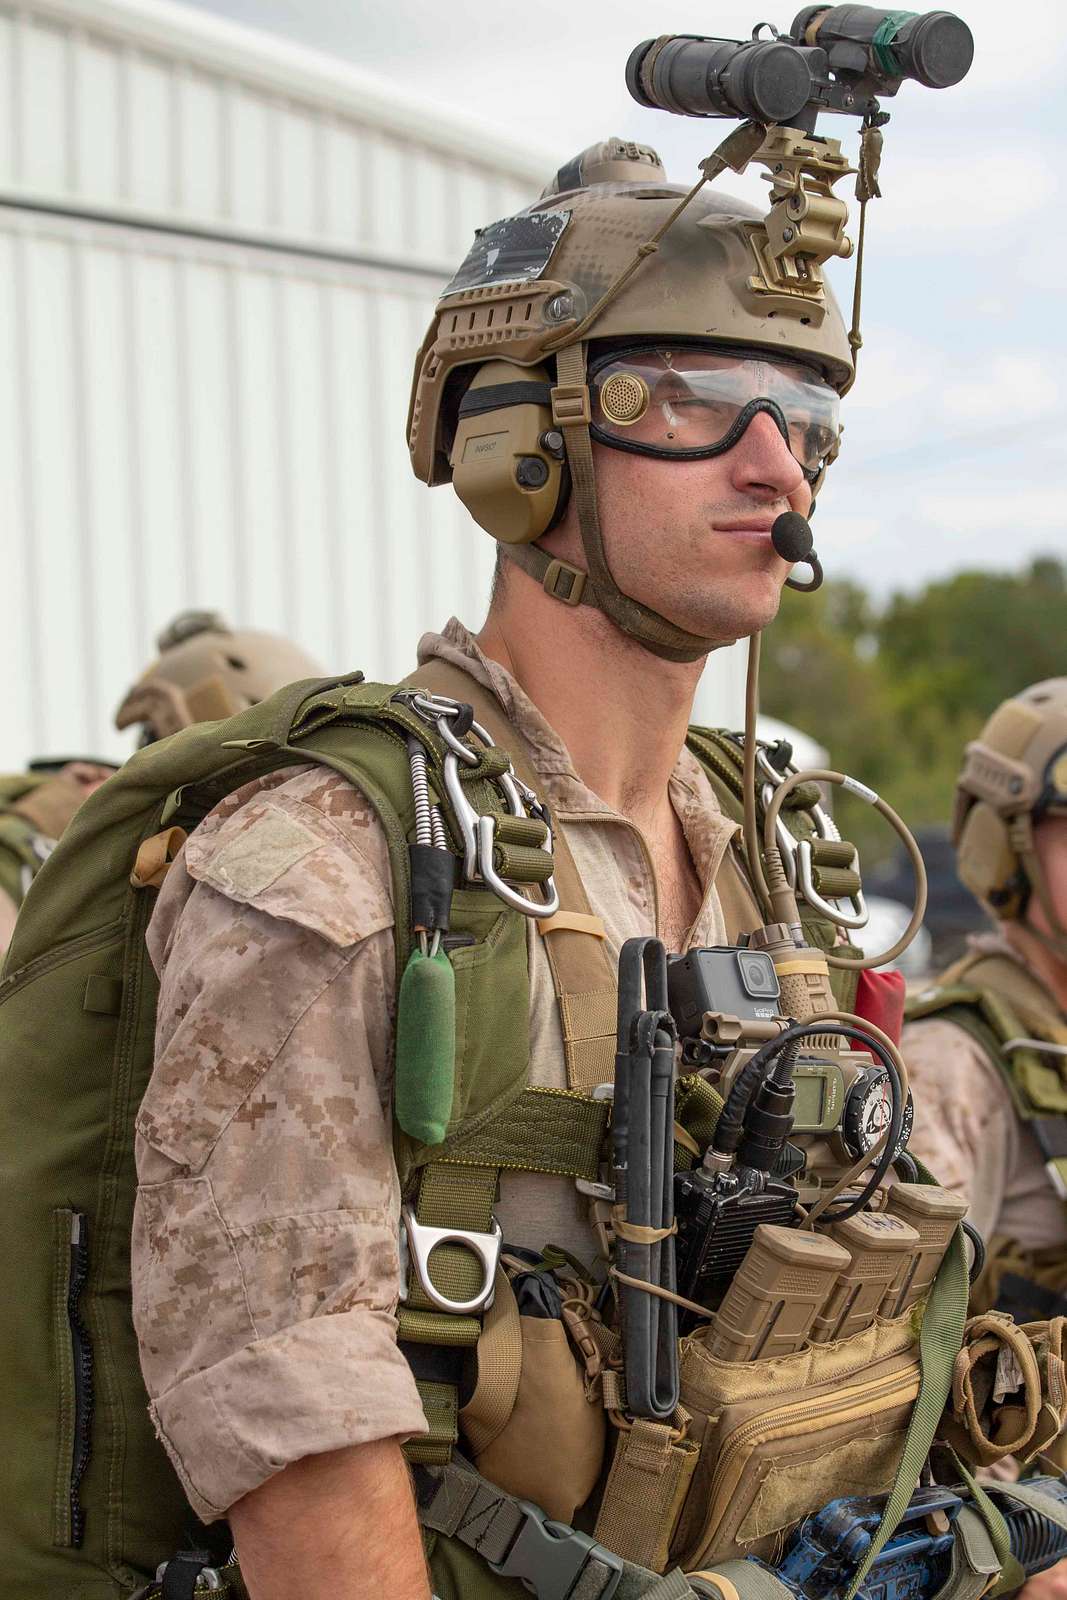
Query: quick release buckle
(551,1558)
(418,1243)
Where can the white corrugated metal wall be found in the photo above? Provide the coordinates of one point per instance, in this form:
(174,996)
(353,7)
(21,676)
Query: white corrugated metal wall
(217,258)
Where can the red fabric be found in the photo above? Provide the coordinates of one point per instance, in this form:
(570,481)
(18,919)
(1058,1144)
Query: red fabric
(880,999)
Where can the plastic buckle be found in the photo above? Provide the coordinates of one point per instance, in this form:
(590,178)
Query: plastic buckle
(208,1577)
(570,404)
(422,1241)
(570,594)
(550,1558)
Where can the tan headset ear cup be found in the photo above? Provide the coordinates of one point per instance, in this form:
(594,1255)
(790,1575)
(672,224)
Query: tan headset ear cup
(495,449)
(985,860)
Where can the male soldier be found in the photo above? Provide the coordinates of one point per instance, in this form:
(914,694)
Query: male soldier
(205,670)
(987,1049)
(284,1408)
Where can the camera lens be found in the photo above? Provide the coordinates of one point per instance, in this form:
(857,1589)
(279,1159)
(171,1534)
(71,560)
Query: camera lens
(757,975)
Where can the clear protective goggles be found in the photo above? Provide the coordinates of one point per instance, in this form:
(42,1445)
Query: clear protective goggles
(688,402)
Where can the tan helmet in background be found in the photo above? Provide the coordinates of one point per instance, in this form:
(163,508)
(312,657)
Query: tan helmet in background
(1013,774)
(206,671)
(489,414)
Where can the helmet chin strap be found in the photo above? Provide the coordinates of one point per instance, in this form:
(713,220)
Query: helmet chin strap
(596,586)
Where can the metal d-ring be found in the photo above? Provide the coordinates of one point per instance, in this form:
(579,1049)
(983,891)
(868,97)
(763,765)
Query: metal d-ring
(422,1241)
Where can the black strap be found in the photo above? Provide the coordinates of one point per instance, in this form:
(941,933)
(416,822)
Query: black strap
(496,395)
(181,1573)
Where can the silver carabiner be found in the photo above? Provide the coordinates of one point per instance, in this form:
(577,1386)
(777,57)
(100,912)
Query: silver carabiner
(478,831)
(420,1242)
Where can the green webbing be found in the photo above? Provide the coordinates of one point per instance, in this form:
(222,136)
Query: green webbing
(975,1563)
(939,1344)
(460,1198)
(440,1402)
(558,1131)
(522,863)
(752,1581)
(697,1107)
(1011,1573)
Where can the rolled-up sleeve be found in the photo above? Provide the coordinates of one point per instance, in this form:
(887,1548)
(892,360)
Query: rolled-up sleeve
(264,1258)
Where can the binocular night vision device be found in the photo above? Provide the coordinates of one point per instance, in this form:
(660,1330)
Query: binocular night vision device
(834,58)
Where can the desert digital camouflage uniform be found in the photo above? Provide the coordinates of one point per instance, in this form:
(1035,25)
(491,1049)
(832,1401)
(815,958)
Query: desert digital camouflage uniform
(265,1262)
(969,1133)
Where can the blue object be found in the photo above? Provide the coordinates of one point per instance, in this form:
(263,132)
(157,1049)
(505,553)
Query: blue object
(827,1548)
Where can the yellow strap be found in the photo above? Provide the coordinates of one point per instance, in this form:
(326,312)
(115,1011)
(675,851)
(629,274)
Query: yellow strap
(574,922)
(636,1232)
(499,1357)
(155,857)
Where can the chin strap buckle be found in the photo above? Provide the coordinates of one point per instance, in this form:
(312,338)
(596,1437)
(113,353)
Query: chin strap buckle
(564,582)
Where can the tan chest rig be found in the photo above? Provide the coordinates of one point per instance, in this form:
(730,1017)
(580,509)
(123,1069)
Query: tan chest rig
(802,1388)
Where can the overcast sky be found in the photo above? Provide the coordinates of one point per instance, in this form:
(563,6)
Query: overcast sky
(954,433)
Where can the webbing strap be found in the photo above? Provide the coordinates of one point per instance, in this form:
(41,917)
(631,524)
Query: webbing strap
(649,1478)
(975,1563)
(554,1562)
(556,1131)
(583,974)
(459,1198)
(939,1344)
(749,1580)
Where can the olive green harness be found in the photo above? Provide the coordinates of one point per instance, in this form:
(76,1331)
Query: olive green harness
(88,1501)
(1011,1018)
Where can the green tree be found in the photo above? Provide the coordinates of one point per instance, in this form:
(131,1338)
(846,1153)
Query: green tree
(895,693)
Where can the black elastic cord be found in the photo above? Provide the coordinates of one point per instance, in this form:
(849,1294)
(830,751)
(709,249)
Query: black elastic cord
(497,395)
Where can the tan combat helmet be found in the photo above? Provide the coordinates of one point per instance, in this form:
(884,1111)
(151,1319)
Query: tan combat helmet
(207,670)
(1014,774)
(614,252)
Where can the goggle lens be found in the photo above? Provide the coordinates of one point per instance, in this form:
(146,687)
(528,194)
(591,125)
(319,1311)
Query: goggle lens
(691,402)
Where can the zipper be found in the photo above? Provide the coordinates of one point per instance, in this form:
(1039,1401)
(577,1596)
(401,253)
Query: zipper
(895,1384)
(82,1354)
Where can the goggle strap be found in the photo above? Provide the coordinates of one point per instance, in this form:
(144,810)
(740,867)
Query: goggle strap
(656,633)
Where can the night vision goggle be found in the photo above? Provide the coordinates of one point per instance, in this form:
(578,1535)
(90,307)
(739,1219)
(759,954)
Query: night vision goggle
(689,403)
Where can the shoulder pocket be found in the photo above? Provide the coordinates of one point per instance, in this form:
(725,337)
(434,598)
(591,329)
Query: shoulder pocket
(267,858)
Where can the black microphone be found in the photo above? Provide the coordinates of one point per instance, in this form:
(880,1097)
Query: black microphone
(792,539)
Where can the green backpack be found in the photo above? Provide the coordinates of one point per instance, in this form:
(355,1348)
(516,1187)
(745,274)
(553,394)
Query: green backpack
(89,1504)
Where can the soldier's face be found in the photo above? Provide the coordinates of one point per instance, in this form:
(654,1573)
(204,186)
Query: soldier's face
(691,539)
(1050,842)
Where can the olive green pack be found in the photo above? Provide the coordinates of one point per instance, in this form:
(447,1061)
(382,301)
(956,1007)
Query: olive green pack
(88,1501)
